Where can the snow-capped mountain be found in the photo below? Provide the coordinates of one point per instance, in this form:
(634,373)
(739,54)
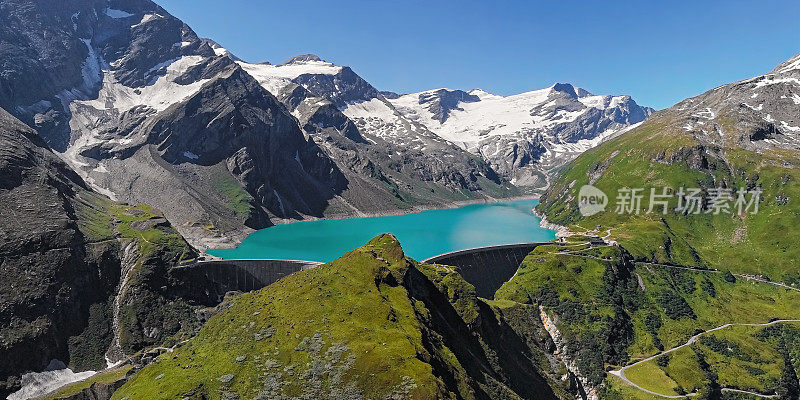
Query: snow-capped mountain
(147,112)
(328,84)
(522,136)
(356,125)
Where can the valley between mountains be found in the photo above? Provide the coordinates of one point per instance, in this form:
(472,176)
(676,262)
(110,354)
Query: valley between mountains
(129,145)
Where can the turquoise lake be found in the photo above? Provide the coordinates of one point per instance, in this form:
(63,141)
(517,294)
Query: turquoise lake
(423,235)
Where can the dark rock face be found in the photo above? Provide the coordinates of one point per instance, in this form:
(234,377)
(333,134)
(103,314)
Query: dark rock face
(442,101)
(140,49)
(496,357)
(62,263)
(51,271)
(41,75)
(97,391)
(34,65)
(341,89)
(235,121)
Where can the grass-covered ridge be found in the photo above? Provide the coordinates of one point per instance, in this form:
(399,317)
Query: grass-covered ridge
(373,324)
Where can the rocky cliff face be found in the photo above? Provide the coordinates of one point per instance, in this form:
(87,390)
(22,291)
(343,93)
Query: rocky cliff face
(51,271)
(61,251)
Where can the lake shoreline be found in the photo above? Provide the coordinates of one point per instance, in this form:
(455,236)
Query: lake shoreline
(413,209)
(425,232)
(234,242)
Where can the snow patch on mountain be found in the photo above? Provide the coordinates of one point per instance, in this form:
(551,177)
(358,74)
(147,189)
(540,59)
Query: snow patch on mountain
(147,18)
(163,93)
(38,384)
(525,134)
(267,77)
(497,115)
(90,117)
(790,65)
(293,70)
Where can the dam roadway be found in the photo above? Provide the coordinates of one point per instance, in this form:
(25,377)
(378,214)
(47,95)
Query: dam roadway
(486,268)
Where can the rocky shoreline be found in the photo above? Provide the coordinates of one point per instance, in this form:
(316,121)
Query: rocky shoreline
(561,231)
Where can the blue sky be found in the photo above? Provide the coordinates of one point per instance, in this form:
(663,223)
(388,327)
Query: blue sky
(657,51)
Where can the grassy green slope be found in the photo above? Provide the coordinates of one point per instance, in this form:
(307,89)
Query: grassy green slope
(613,311)
(710,141)
(373,324)
(762,243)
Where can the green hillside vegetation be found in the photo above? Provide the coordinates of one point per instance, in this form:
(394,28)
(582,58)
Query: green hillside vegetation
(373,324)
(655,155)
(613,311)
(740,357)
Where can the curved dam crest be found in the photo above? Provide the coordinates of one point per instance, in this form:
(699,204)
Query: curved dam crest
(207,282)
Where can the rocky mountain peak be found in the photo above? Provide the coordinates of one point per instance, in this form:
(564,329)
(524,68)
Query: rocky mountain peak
(303,58)
(222,51)
(570,90)
(441,102)
(765,108)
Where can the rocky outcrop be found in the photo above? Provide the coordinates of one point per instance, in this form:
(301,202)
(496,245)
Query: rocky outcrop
(442,101)
(586,389)
(755,114)
(97,391)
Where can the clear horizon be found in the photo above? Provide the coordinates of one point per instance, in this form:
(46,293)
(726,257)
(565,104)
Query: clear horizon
(657,53)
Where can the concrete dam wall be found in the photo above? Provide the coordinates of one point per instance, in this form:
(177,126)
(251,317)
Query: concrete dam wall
(487,268)
(208,281)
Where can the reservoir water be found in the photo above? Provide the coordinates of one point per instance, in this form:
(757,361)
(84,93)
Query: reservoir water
(423,235)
